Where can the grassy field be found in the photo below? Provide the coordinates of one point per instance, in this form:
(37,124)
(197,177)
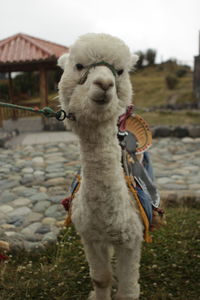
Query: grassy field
(170,266)
(150,90)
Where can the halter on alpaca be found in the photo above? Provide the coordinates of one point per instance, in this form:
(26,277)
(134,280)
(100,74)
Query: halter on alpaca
(101,63)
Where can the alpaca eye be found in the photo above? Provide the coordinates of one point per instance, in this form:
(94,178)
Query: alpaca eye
(79,67)
(120,72)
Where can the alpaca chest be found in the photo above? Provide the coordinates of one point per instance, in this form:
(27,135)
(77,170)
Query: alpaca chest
(105,215)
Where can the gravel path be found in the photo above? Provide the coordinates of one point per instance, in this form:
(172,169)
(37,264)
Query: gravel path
(34,178)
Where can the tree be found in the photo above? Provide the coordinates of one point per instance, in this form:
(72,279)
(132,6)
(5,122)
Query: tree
(150,56)
(140,61)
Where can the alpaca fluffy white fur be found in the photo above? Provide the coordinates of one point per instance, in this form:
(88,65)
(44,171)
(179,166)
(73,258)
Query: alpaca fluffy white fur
(102,211)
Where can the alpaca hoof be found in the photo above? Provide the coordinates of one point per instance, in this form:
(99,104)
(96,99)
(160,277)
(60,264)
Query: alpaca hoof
(4,246)
(125,298)
(92,296)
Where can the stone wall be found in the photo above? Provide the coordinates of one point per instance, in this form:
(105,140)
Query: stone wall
(176,131)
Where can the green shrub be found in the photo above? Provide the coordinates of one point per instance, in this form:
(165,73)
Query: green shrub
(170,65)
(4,90)
(26,83)
(171,81)
(181,72)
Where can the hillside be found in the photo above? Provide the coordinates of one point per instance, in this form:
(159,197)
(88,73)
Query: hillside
(151,91)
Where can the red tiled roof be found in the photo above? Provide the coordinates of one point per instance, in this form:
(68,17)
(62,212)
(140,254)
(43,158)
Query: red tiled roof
(22,48)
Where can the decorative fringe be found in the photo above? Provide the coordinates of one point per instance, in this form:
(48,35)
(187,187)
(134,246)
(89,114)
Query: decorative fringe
(68,220)
(147,237)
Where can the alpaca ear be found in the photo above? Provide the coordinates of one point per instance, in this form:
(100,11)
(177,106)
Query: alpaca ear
(63,60)
(134,59)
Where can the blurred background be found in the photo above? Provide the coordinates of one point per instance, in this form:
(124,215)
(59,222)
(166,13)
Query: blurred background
(165,34)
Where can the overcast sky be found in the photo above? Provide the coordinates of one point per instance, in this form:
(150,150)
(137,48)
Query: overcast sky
(169,26)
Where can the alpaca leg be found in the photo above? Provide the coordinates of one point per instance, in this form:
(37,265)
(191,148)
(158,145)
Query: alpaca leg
(100,270)
(128,263)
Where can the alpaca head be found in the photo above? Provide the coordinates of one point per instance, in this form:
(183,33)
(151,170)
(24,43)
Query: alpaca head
(95,84)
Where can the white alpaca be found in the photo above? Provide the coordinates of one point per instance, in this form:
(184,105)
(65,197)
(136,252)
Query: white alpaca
(102,211)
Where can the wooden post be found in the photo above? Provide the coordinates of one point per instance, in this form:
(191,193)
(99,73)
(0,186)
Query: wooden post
(1,117)
(10,87)
(11,95)
(43,93)
(198,76)
(199,42)
(43,88)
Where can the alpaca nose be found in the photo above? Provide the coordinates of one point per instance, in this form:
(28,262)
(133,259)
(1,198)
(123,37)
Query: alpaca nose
(104,84)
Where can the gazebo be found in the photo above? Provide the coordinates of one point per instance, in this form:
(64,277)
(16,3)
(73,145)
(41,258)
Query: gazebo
(24,53)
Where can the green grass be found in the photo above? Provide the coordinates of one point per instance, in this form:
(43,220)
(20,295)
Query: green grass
(150,88)
(170,266)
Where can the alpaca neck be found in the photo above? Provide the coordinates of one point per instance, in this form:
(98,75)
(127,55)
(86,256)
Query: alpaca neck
(98,143)
(101,157)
